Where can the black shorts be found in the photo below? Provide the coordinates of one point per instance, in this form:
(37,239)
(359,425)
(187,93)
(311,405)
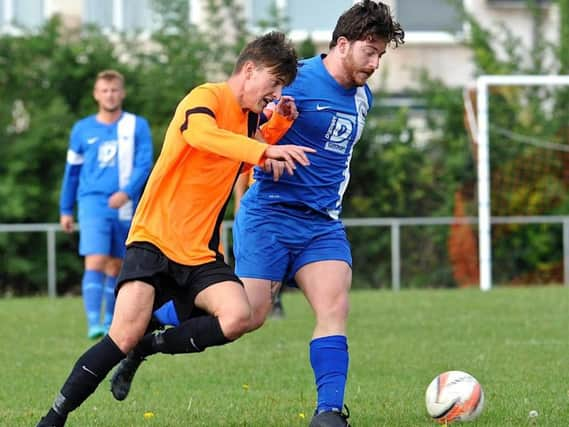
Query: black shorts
(172,281)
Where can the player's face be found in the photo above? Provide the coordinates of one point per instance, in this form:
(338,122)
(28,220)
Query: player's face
(262,87)
(109,94)
(362,59)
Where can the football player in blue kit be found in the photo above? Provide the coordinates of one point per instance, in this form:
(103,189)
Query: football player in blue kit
(108,161)
(292,226)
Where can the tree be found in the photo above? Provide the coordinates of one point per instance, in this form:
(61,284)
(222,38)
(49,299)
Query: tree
(48,86)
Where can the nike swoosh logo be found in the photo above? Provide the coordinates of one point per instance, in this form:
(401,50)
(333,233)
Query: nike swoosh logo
(322,107)
(86,369)
(92,140)
(193,343)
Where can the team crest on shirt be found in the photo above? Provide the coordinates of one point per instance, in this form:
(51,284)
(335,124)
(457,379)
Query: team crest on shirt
(107,154)
(340,132)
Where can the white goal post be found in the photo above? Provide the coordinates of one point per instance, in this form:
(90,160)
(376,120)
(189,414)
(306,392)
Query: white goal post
(483,83)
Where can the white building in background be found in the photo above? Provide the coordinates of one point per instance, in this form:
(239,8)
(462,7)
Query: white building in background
(434,32)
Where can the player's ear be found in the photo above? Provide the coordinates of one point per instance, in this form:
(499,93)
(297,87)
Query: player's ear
(248,69)
(343,45)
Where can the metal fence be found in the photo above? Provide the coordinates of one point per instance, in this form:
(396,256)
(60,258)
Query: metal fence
(394,224)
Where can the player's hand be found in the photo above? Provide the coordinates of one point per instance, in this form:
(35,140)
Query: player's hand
(290,155)
(287,107)
(276,167)
(118,199)
(67,223)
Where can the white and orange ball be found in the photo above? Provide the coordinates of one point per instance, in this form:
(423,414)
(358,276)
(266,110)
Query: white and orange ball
(454,396)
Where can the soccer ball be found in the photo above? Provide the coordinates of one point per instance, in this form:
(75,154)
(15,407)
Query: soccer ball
(454,396)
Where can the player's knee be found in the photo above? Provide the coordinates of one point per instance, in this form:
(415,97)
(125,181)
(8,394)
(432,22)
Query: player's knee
(343,307)
(235,323)
(337,309)
(96,262)
(257,320)
(341,310)
(113,267)
(125,341)
(125,337)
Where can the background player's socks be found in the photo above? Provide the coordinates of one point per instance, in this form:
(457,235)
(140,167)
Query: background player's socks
(92,290)
(109,297)
(329,359)
(166,314)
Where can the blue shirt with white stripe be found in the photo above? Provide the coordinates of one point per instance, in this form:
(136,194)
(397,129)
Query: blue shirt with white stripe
(331,120)
(94,164)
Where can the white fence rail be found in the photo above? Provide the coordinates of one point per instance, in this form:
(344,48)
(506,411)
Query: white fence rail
(394,224)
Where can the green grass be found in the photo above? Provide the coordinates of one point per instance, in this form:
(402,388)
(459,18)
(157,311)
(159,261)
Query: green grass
(515,341)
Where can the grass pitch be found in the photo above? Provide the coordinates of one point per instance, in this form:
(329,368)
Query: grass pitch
(514,341)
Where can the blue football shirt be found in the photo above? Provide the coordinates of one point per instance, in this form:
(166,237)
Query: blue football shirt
(331,120)
(93,166)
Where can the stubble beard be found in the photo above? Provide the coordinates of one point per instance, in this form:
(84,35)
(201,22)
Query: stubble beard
(111,109)
(354,72)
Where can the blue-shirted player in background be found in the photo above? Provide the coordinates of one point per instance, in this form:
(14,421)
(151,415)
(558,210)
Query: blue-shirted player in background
(108,161)
(292,225)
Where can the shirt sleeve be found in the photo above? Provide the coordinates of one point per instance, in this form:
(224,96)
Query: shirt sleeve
(200,129)
(143,158)
(274,129)
(73,165)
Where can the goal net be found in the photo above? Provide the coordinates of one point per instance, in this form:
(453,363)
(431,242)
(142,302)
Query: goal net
(520,127)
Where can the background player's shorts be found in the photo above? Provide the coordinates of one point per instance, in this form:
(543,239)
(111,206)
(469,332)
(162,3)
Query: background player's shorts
(103,236)
(171,281)
(274,241)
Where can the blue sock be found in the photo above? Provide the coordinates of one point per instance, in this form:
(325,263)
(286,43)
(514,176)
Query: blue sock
(167,315)
(92,289)
(329,359)
(109,295)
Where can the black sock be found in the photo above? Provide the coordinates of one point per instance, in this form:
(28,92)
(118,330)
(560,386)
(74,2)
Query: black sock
(89,370)
(192,336)
(144,347)
(53,419)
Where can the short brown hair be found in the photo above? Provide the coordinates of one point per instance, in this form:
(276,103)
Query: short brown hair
(368,19)
(110,75)
(272,50)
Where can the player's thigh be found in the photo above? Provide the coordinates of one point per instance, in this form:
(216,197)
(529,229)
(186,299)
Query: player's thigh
(328,242)
(133,310)
(214,288)
(228,302)
(223,297)
(95,236)
(261,294)
(326,285)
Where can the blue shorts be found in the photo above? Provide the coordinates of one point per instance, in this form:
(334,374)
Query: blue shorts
(274,241)
(101,232)
(103,236)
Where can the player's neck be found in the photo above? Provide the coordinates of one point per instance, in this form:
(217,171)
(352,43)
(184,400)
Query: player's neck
(108,117)
(236,86)
(333,64)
